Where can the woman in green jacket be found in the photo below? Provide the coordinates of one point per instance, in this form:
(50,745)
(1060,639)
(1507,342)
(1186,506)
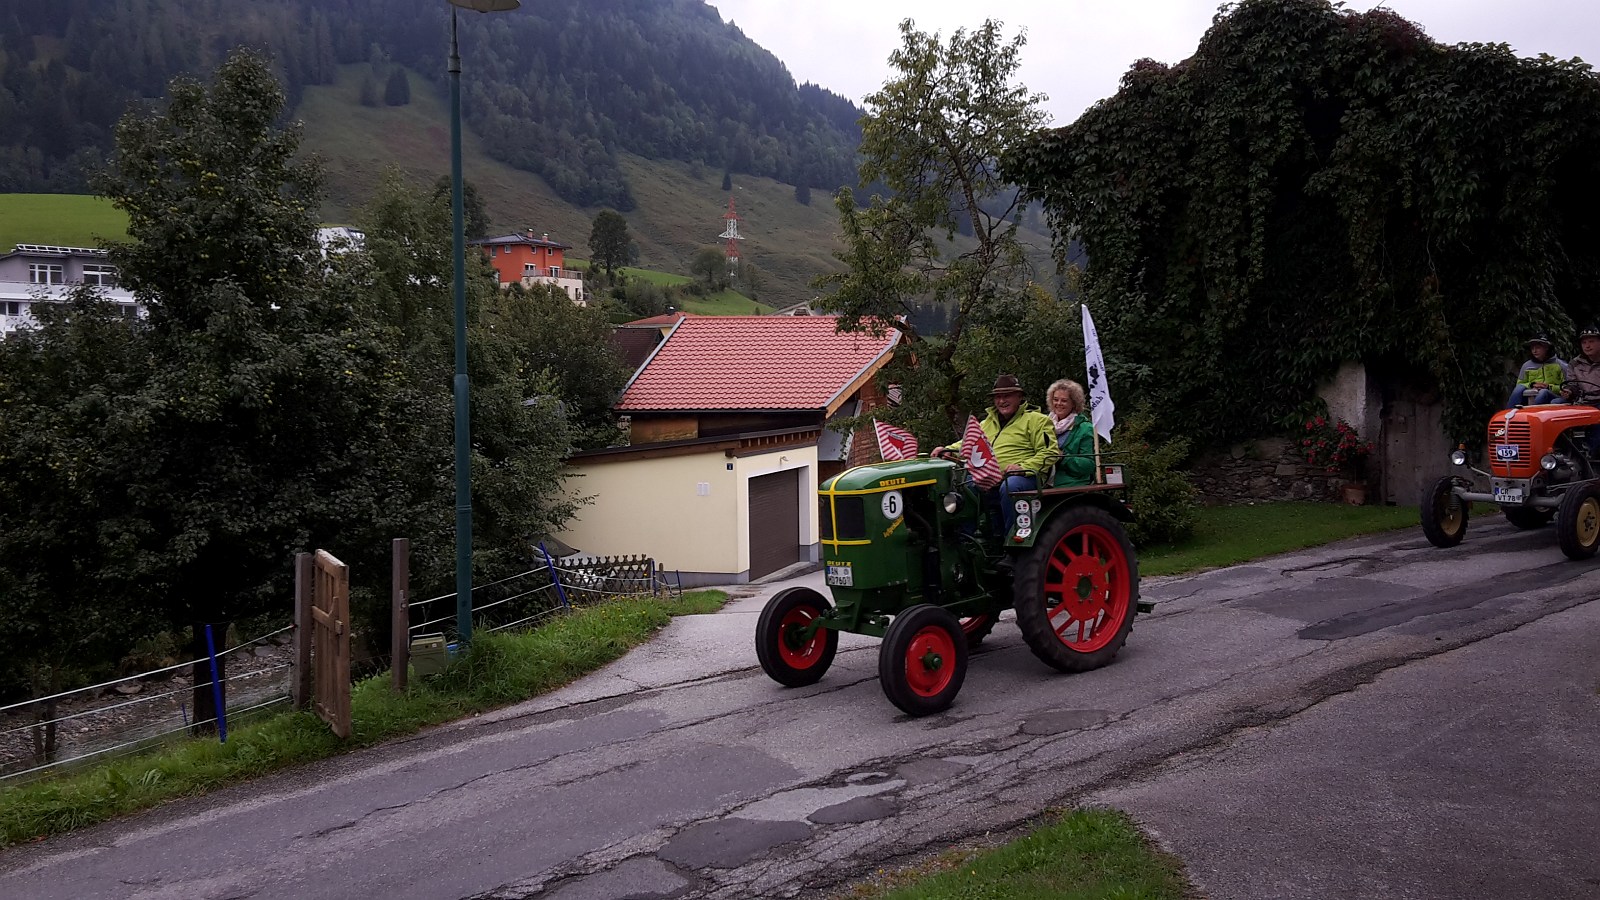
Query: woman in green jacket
(1074,433)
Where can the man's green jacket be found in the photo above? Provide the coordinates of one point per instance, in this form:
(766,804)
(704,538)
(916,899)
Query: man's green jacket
(1028,440)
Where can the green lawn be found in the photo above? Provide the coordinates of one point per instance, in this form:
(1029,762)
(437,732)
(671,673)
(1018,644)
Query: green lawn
(70,220)
(1229,535)
(1088,854)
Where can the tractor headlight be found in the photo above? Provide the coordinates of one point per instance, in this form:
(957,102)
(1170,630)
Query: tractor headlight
(1459,458)
(953,502)
(1548,462)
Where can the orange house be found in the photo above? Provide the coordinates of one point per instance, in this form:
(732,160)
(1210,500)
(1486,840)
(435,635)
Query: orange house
(524,259)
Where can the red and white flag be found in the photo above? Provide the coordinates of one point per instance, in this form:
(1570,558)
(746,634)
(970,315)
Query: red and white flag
(979,456)
(894,443)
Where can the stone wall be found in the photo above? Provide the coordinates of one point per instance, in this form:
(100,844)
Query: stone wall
(1264,469)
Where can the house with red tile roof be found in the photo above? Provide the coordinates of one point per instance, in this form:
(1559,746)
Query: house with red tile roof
(728,442)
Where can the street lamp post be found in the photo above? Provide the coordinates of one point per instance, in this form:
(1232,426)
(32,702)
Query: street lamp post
(463,421)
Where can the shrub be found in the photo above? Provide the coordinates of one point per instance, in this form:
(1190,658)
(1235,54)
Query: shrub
(1163,501)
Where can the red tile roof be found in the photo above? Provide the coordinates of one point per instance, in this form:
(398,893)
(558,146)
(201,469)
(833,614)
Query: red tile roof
(663,319)
(754,362)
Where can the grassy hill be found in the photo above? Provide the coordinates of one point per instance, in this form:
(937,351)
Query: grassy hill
(68,220)
(681,206)
(680,209)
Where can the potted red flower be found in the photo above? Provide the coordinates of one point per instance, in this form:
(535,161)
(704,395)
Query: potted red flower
(1337,449)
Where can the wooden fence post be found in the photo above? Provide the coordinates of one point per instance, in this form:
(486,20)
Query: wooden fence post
(400,591)
(300,684)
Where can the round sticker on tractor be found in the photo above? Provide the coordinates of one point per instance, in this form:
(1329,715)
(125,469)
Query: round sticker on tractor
(1022,506)
(1023,521)
(1036,507)
(893,505)
(1024,532)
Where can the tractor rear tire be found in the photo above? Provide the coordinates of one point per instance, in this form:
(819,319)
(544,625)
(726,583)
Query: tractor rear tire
(1528,517)
(1578,521)
(786,655)
(923,660)
(1078,591)
(1444,515)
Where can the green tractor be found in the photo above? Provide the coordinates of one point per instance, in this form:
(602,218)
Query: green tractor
(906,561)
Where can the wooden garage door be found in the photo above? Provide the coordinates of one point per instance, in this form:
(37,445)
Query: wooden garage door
(774,522)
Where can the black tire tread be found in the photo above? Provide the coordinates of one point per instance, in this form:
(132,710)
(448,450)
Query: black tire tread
(768,634)
(1032,618)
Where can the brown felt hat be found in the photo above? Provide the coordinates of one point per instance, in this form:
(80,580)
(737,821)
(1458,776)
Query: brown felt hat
(1006,384)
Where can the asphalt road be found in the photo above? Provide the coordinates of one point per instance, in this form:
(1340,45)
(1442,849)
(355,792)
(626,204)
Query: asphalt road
(1372,718)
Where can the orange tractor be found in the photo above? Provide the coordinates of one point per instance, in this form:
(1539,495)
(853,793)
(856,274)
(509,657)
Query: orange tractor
(1539,469)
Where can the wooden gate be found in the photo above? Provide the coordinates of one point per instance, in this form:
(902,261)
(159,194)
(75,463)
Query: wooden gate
(330,629)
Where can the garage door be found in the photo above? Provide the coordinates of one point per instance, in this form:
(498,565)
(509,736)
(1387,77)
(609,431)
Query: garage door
(774,522)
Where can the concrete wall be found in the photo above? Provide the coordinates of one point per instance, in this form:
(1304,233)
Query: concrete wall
(690,513)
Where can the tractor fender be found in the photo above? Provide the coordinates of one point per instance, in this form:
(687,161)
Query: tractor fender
(1023,538)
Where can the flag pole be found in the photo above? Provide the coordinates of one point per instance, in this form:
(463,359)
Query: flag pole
(1099,470)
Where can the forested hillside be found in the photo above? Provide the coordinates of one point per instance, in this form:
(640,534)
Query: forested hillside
(558,89)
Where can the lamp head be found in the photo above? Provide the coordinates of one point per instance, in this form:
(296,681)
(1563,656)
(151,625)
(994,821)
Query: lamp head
(486,6)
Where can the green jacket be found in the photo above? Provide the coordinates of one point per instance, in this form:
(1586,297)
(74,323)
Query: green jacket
(1077,454)
(1552,372)
(1028,440)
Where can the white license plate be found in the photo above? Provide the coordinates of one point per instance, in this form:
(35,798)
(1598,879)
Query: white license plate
(841,576)
(1113,474)
(1505,451)
(1508,495)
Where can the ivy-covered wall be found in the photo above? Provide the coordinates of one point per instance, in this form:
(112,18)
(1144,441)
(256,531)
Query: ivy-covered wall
(1316,186)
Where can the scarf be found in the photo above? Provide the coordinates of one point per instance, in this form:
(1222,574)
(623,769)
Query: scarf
(1063,424)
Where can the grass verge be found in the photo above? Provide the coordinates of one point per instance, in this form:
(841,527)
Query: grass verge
(501,668)
(1229,535)
(1086,854)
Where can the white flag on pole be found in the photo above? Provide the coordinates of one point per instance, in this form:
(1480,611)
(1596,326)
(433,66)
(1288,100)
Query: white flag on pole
(1101,410)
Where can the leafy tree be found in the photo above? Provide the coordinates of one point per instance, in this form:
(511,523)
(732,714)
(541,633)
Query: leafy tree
(932,135)
(609,243)
(267,423)
(1315,186)
(474,214)
(397,90)
(66,517)
(710,263)
(727,181)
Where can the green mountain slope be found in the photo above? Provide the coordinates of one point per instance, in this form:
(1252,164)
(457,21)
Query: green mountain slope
(679,205)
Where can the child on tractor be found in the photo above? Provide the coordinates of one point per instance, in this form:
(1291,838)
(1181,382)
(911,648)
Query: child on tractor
(1540,376)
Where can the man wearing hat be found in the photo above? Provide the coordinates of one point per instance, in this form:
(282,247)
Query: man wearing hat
(1541,375)
(1024,443)
(1584,372)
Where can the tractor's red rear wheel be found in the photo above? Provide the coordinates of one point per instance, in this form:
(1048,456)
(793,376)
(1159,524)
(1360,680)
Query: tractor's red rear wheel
(1078,591)
(791,651)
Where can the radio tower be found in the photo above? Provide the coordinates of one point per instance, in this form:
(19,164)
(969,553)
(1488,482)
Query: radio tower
(730,235)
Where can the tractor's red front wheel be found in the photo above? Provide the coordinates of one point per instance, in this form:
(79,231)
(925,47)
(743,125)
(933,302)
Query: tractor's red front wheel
(1078,591)
(923,660)
(793,652)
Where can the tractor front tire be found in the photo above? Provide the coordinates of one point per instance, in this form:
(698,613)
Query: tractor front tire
(786,654)
(1578,521)
(1444,515)
(1078,591)
(923,660)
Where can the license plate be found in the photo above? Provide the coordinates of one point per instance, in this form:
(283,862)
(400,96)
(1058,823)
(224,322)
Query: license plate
(840,576)
(1505,451)
(1113,474)
(1507,495)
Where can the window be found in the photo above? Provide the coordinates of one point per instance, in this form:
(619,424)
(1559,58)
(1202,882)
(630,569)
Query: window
(529,270)
(555,271)
(13,308)
(493,251)
(46,273)
(104,276)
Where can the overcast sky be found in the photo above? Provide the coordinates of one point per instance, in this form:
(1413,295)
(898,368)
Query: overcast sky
(1077,50)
